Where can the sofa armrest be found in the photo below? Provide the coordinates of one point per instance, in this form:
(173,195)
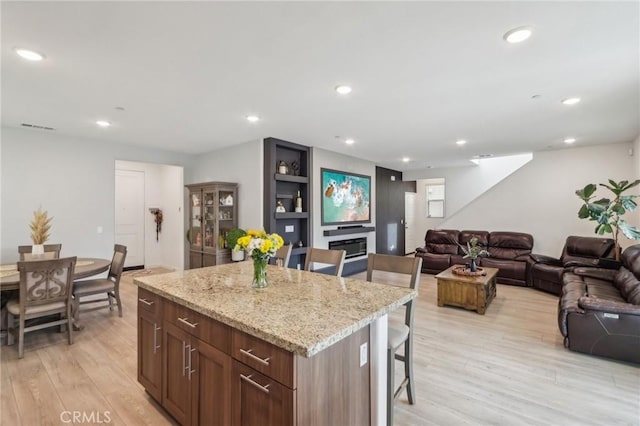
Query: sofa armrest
(608,306)
(598,273)
(421,250)
(547,260)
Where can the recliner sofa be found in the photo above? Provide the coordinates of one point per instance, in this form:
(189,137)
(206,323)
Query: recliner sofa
(509,251)
(599,310)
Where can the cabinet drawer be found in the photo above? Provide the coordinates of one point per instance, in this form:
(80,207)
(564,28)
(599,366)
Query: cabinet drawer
(204,328)
(264,357)
(149,302)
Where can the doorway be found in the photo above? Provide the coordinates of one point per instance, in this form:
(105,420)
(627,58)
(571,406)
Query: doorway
(390,211)
(129,215)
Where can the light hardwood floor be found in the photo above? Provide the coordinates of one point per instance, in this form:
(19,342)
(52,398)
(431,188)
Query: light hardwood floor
(507,367)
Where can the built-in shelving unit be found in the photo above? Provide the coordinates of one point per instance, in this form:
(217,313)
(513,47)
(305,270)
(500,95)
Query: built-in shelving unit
(278,187)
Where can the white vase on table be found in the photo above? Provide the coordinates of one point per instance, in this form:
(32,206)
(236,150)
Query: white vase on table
(37,250)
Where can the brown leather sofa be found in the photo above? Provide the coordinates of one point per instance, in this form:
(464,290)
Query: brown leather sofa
(509,251)
(545,272)
(599,310)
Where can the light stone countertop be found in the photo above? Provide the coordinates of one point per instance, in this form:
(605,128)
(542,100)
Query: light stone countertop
(302,312)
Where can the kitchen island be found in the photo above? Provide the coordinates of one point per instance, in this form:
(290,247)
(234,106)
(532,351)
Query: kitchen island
(309,349)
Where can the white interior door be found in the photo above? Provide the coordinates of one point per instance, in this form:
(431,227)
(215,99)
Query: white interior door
(412,237)
(129,227)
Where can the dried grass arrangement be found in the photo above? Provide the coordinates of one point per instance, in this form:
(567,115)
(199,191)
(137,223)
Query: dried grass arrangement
(40,226)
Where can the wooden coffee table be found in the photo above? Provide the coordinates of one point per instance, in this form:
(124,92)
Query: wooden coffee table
(474,293)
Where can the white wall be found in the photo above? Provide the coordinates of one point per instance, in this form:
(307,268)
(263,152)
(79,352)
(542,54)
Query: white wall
(73,179)
(635,218)
(540,199)
(462,185)
(242,164)
(333,160)
(163,189)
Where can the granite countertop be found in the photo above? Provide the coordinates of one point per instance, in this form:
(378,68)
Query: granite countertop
(302,312)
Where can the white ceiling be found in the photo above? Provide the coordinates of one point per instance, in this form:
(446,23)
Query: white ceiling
(424,74)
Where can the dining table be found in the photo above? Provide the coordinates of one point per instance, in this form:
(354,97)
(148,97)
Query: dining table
(85,267)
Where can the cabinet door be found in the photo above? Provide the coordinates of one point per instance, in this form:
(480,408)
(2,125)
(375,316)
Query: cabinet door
(176,389)
(195,220)
(259,400)
(210,386)
(150,354)
(209,211)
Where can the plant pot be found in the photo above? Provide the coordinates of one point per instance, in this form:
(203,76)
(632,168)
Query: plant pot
(37,250)
(237,255)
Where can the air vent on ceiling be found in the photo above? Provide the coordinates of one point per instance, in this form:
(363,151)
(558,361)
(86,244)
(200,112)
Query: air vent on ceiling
(35,126)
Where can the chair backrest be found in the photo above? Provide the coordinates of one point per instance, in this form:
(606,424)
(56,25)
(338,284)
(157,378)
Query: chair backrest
(51,251)
(117,263)
(410,266)
(283,255)
(46,281)
(329,257)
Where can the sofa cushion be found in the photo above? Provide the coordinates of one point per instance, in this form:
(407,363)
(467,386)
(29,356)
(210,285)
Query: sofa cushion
(434,261)
(466,236)
(510,245)
(442,241)
(587,249)
(628,285)
(512,271)
(602,290)
(573,289)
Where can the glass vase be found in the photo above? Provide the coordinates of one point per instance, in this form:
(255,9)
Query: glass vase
(473,267)
(259,273)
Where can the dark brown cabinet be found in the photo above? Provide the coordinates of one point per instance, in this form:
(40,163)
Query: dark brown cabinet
(150,343)
(260,400)
(213,211)
(176,388)
(210,386)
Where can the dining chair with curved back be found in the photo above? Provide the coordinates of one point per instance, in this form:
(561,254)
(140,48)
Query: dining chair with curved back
(109,285)
(329,257)
(399,334)
(283,255)
(45,291)
(51,251)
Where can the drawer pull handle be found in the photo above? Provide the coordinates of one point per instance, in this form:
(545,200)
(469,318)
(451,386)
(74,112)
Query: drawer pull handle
(255,358)
(184,321)
(145,301)
(156,346)
(247,379)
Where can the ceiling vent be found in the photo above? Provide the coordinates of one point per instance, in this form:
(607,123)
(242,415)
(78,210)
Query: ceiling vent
(35,126)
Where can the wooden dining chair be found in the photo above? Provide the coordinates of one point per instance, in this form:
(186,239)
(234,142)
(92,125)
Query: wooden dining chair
(329,257)
(51,251)
(45,291)
(109,285)
(399,334)
(283,255)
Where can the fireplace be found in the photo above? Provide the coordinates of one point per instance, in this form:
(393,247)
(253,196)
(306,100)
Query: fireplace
(354,247)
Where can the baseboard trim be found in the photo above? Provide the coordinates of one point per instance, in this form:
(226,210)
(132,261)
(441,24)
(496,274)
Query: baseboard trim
(133,268)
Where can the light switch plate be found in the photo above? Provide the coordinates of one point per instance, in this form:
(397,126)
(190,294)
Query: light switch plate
(363,354)
(288,228)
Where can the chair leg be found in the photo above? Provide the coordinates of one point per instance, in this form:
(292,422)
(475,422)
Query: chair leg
(119,302)
(391,359)
(21,338)
(76,309)
(70,325)
(110,297)
(408,369)
(11,325)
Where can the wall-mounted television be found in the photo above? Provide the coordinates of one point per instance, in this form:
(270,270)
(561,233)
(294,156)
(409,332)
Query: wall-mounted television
(345,197)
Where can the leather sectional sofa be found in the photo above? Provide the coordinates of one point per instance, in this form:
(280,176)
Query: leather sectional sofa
(509,251)
(599,310)
(545,272)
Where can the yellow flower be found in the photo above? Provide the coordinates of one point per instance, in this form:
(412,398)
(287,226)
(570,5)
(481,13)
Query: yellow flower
(254,233)
(279,242)
(244,241)
(266,246)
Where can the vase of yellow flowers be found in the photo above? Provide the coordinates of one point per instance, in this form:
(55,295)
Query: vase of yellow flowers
(260,246)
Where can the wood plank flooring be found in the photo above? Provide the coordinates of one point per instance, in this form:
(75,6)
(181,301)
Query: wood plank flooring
(507,367)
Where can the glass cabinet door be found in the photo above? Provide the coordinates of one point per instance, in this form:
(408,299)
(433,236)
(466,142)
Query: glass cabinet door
(195,221)
(209,219)
(226,214)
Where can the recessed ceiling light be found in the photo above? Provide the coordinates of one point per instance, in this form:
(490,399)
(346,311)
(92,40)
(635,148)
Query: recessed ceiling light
(461,142)
(569,140)
(253,118)
(570,101)
(405,159)
(29,55)
(343,90)
(517,35)
(103,123)
(349,141)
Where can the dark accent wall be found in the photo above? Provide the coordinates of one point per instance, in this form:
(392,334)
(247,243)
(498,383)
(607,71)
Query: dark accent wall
(390,211)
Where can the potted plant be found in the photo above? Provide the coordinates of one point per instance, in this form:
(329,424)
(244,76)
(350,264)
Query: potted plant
(472,251)
(237,253)
(608,212)
(40,226)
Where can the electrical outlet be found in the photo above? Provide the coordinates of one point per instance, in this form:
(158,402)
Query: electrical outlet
(288,228)
(363,354)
